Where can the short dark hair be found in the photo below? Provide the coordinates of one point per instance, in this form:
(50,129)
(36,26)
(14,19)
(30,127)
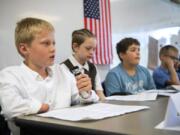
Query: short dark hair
(123,45)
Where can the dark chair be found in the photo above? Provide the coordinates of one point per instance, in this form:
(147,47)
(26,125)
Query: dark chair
(4,130)
(121,93)
(116,93)
(103,86)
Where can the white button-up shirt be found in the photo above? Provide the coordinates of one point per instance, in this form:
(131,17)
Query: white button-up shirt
(22,90)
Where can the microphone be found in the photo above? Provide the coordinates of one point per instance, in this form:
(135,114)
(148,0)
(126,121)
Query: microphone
(76,71)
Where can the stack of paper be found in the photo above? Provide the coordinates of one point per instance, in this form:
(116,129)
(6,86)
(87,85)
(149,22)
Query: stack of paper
(92,112)
(145,95)
(138,97)
(175,87)
(162,92)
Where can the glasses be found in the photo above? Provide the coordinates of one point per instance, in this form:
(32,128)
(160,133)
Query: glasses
(174,58)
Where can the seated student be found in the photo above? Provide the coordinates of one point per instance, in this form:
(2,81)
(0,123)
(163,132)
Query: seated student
(38,85)
(128,77)
(166,73)
(83,46)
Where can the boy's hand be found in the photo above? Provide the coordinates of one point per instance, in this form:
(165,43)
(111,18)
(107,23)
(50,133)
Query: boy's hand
(169,63)
(44,108)
(83,82)
(177,65)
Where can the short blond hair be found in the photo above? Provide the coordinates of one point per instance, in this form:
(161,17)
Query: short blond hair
(165,50)
(27,28)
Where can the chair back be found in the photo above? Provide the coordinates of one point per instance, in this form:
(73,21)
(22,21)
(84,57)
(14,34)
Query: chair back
(104,89)
(4,130)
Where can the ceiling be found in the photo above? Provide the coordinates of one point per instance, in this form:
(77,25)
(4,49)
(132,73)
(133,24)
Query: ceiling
(143,15)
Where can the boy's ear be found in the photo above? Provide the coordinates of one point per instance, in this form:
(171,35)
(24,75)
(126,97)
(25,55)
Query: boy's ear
(75,46)
(162,57)
(23,49)
(121,55)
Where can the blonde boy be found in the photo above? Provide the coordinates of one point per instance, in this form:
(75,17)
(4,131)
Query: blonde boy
(37,85)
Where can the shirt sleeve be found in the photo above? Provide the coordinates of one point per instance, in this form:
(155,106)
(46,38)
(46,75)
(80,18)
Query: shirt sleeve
(111,84)
(150,82)
(12,99)
(98,81)
(93,98)
(160,78)
(178,73)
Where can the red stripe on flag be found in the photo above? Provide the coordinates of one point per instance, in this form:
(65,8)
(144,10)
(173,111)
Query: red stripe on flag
(107,32)
(110,34)
(103,31)
(95,32)
(98,42)
(101,35)
(85,22)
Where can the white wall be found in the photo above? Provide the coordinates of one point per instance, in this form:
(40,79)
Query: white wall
(137,18)
(128,16)
(65,15)
(143,15)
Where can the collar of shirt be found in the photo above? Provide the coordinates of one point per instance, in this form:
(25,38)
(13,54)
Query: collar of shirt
(76,63)
(35,75)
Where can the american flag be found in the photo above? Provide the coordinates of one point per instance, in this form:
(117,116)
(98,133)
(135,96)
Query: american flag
(97,18)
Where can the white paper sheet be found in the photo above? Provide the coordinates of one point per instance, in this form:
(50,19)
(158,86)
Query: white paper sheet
(92,112)
(172,117)
(161,126)
(176,87)
(162,92)
(138,97)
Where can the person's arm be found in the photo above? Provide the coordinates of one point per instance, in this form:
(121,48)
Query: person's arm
(13,104)
(151,84)
(84,85)
(174,80)
(44,108)
(112,84)
(99,89)
(14,100)
(100,94)
(160,78)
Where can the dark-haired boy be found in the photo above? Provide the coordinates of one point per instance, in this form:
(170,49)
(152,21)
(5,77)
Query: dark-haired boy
(128,77)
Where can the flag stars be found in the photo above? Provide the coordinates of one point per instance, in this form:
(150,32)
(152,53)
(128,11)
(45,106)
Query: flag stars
(91,9)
